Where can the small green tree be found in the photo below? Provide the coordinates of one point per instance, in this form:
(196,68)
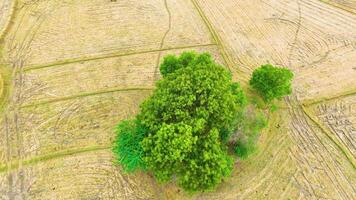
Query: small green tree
(272,82)
(127,145)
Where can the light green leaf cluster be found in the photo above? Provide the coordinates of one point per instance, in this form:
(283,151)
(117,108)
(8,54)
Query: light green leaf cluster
(207,166)
(166,149)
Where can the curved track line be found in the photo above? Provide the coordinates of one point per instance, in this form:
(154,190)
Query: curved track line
(76,60)
(295,40)
(163,38)
(16,164)
(85,95)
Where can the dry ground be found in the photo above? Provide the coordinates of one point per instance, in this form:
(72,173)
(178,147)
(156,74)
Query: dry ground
(76,68)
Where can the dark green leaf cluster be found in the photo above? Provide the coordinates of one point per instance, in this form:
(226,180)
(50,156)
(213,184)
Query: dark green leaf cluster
(272,82)
(127,145)
(252,125)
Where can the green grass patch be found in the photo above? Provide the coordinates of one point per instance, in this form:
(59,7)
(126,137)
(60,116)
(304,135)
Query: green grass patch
(245,146)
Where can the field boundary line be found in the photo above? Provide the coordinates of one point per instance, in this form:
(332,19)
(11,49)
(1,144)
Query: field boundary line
(113,55)
(16,164)
(347,154)
(164,37)
(86,94)
(214,34)
(324,99)
(338,6)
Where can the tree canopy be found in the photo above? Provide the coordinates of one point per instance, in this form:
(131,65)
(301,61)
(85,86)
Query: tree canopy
(194,103)
(272,82)
(187,121)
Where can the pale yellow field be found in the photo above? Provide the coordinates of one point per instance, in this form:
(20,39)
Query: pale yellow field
(74,69)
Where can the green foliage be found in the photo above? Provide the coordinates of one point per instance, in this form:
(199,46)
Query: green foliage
(272,82)
(245,146)
(193,111)
(236,123)
(166,149)
(273,108)
(244,149)
(207,165)
(127,147)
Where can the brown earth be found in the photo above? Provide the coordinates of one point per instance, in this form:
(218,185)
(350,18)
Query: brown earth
(79,67)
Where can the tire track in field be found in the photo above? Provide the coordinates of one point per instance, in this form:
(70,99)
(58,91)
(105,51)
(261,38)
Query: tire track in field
(294,43)
(16,164)
(156,73)
(81,95)
(78,60)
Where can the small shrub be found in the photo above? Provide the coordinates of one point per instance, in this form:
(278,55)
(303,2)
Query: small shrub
(127,145)
(272,82)
(243,149)
(245,145)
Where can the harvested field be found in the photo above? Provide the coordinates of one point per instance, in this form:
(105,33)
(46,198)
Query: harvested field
(76,68)
(96,28)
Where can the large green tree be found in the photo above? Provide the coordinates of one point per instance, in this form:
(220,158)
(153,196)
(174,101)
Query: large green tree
(272,82)
(187,121)
(190,115)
